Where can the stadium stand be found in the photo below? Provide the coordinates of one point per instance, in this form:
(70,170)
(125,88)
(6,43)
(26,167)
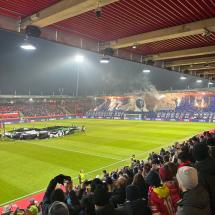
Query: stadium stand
(179,180)
(168,106)
(29,107)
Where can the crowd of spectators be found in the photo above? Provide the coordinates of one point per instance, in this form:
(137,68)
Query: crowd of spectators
(42,109)
(34,108)
(178,180)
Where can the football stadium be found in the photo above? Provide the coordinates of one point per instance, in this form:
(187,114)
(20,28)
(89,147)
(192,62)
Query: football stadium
(107,107)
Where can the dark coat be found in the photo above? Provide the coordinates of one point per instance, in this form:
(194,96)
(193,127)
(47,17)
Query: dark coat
(47,201)
(47,197)
(109,210)
(138,207)
(194,202)
(206,171)
(118,196)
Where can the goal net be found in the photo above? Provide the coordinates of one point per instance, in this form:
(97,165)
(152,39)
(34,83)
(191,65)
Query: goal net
(133,116)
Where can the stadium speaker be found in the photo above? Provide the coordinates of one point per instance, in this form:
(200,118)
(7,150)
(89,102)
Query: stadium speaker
(32,31)
(150,62)
(108,51)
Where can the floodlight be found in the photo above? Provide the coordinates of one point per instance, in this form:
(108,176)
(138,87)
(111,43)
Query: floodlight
(199,81)
(79,58)
(146,71)
(183,77)
(28,46)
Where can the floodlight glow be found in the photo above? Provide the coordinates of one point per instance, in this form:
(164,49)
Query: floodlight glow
(183,77)
(27,46)
(79,58)
(210,83)
(105,60)
(134,47)
(199,81)
(146,71)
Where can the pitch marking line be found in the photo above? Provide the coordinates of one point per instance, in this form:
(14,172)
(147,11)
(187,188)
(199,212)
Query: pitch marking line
(95,170)
(71,150)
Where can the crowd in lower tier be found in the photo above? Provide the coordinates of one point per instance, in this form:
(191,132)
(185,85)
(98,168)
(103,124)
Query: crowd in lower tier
(179,180)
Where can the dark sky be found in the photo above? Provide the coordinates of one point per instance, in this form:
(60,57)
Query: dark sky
(51,67)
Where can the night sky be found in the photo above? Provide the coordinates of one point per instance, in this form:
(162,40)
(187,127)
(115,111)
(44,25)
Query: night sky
(51,67)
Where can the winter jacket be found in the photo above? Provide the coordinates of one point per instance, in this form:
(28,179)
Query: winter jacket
(161,200)
(206,172)
(194,202)
(118,196)
(174,192)
(46,203)
(47,197)
(108,210)
(137,207)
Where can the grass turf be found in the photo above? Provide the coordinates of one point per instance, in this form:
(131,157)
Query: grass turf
(27,166)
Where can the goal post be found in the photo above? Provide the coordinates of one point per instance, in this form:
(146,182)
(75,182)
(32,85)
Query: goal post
(134,116)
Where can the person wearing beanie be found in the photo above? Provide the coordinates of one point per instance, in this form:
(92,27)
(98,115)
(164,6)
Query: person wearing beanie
(101,201)
(183,159)
(86,194)
(153,179)
(205,166)
(52,194)
(139,181)
(200,151)
(163,198)
(134,203)
(195,199)
(58,208)
(167,175)
(118,195)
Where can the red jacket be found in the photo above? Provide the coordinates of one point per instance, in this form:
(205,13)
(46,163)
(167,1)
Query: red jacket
(163,199)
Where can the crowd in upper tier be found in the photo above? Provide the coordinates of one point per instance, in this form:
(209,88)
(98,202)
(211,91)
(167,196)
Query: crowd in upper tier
(35,108)
(179,180)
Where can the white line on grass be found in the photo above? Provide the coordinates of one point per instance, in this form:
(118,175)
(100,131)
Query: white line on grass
(71,150)
(95,170)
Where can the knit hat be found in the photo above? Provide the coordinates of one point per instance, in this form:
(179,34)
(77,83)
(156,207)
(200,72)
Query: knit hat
(200,151)
(101,196)
(153,179)
(58,208)
(165,174)
(187,177)
(132,193)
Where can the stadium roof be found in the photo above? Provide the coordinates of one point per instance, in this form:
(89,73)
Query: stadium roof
(174,34)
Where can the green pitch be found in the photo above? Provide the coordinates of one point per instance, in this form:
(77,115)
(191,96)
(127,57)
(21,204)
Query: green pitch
(27,166)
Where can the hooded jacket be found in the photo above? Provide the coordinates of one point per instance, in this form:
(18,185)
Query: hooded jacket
(206,172)
(194,202)
(160,201)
